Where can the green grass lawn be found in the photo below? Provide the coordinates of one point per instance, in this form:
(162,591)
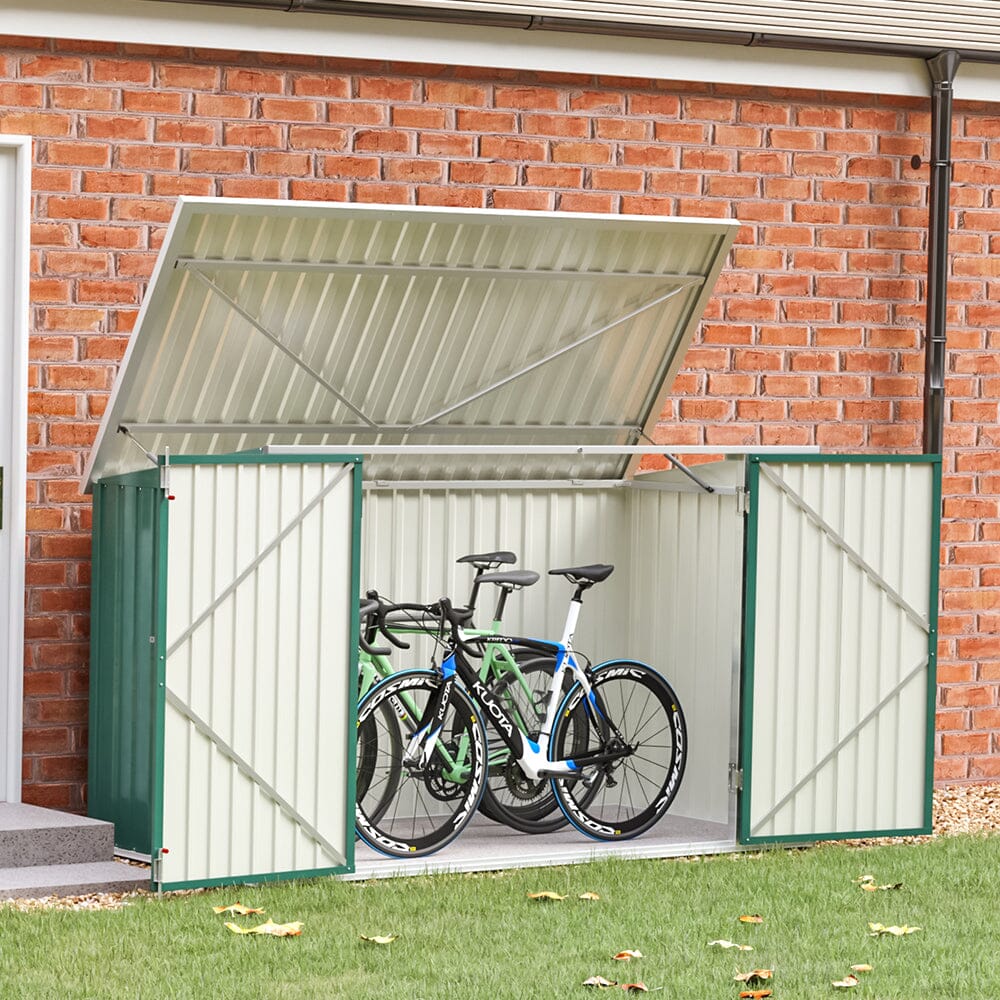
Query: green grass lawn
(480,937)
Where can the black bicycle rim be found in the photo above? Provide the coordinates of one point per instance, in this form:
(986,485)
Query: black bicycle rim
(623,798)
(428,807)
(369,759)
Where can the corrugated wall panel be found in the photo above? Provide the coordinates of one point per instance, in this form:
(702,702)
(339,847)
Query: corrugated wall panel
(962,24)
(255,772)
(686,560)
(840,650)
(126,534)
(411,539)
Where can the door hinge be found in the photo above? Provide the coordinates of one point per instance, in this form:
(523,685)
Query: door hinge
(735,778)
(742,500)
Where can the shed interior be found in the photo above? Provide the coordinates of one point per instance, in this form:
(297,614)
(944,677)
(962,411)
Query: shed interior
(674,601)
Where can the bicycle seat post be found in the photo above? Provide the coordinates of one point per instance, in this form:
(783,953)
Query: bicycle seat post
(583,577)
(483,562)
(507,583)
(505,592)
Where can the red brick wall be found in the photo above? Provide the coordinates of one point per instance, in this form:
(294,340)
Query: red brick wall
(814,336)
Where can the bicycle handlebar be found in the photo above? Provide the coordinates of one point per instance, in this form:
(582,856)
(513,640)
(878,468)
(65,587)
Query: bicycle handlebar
(456,618)
(368,615)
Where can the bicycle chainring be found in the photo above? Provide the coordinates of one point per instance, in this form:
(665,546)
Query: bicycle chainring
(519,785)
(437,784)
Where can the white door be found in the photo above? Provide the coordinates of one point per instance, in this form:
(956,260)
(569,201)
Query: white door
(841,608)
(260,671)
(15,172)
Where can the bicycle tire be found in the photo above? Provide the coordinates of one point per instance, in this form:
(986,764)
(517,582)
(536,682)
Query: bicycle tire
(623,798)
(510,796)
(374,769)
(429,807)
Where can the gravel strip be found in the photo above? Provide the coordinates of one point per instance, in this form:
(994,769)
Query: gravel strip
(957,809)
(966,809)
(93,901)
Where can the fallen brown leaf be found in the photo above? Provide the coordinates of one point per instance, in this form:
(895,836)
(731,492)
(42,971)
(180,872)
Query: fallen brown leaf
(269,928)
(847,982)
(754,976)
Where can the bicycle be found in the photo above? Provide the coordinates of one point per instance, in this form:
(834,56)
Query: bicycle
(518,679)
(612,748)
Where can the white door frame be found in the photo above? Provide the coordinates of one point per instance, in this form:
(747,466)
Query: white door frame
(15,241)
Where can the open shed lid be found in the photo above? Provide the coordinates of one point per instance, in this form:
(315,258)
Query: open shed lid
(299,323)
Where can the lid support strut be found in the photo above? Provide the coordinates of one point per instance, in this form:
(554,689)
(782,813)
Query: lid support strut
(681,467)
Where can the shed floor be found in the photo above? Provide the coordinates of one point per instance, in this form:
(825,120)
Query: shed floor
(488,846)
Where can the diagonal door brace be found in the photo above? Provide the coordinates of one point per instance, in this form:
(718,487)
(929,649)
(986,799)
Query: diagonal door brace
(855,557)
(287,351)
(261,556)
(268,789)
(493,386)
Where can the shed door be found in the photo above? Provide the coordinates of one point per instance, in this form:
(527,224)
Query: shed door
(260,661)
(840,635)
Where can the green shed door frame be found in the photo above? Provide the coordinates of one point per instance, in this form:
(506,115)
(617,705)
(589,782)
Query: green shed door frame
(840,637)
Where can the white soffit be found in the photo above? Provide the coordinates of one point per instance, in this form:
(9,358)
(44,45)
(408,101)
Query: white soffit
(234,28)
(297,323)
(961,24)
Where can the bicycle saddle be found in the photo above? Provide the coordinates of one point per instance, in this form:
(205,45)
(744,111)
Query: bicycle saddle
(512,578)
(592,574)
(484,560)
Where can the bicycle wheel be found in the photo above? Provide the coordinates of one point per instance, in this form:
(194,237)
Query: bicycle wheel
(511,797)
(430,804)
(635,716)
(379,760)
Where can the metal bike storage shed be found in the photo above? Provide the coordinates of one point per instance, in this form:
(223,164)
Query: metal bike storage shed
(499,377)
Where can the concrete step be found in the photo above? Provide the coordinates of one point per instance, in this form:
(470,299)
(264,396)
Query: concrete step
(37,881)
(32,836)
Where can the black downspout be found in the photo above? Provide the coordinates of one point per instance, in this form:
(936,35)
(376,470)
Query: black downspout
(942,69)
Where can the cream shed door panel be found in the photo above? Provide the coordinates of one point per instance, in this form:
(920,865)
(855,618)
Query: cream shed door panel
(261,594)
(839,672)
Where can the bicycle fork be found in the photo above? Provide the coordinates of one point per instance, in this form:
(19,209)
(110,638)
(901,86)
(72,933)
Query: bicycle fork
(421,744)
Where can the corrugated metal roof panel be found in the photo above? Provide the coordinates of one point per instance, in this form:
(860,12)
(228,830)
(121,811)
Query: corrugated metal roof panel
(961,24)
(319,324)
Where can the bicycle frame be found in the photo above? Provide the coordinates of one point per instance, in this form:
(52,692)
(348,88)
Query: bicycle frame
(497,661)
(533,757)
